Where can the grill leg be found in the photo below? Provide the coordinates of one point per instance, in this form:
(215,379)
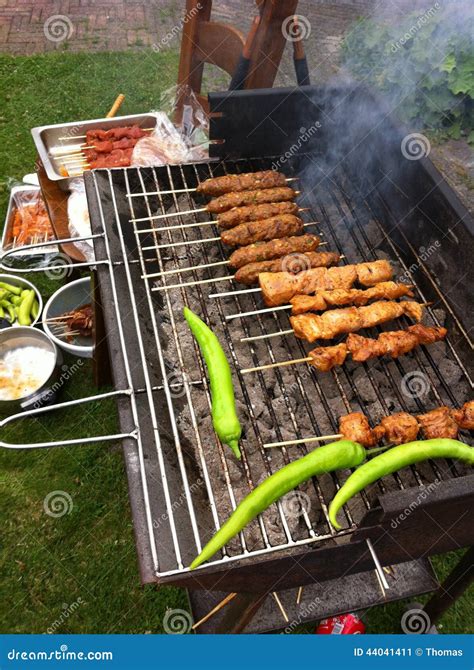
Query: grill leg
(240,612)
(454,586)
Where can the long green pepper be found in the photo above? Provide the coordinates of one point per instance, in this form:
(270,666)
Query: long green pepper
(224,415)
(395,459)
(335,456)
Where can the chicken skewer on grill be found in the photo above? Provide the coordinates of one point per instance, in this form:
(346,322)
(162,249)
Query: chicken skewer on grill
(391,343)
(334,322)
(398,428)
(280,287)
(322,300)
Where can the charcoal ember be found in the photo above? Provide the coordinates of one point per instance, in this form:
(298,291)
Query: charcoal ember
(369,391)
(440,315)
(450,372)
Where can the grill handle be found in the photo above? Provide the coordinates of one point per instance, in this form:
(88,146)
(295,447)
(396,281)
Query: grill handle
(62,405)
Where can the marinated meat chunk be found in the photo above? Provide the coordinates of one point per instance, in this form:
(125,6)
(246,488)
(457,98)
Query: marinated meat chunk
(355,427)
(438,423)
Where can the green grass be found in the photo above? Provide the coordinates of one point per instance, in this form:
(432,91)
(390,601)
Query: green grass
(86,558)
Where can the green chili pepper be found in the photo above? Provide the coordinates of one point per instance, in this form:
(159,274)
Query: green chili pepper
(395,459)
(11,311)
(16,290)
(15,299)
(224,417)
(2,312)
(335,456)
(35,309)
(24,309)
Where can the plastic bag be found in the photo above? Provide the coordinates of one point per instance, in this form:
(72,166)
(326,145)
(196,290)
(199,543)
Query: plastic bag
(169,143)
(30,222)
(78,217)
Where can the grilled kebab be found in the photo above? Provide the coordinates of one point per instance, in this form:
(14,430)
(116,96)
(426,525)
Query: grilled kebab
(279,287)
(236,215)
(393,343)
(402,427)
(259,231)
(265,251)
(322,300)
(334,322)
(248,274)
(258,197)
(233,183)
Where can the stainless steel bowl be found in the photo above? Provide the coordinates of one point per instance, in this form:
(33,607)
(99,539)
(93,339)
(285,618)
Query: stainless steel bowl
(46,393)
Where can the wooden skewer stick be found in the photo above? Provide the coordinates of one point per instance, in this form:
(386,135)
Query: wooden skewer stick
(280,606)
(180,213)
(298,595)
(214,610)
(193,225)
(267,336)
(282,364)
(289,443)
(193,283)
(257,311)
(69,152)
(228,294)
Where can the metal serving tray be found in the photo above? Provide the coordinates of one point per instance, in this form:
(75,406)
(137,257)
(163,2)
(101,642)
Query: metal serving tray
(6,233)
(51,139)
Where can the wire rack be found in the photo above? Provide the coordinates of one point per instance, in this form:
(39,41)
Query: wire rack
(190,482)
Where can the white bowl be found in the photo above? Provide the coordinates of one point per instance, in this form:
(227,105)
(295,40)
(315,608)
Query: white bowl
(14,280)
(71,296)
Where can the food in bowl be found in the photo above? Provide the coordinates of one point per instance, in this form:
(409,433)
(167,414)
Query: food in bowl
(23,370)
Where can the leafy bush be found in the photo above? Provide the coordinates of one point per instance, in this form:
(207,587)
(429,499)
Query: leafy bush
(423,63)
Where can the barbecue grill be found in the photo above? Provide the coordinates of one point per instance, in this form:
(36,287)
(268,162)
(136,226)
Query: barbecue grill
(368,199)
(370,202)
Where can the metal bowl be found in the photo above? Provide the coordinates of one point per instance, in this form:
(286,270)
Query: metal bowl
(14,280)
(48,386)
(68,297)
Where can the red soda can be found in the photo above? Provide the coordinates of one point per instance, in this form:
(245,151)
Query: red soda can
(344,624)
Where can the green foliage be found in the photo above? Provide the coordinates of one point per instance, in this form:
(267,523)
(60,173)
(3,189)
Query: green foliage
(424,64)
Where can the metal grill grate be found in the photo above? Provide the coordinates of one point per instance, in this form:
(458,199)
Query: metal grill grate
(190,482)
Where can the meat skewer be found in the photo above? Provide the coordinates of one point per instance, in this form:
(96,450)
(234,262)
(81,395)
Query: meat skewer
(391,343)
(246,181)
(399,428)
(256,197)
(264,230)
(321,301)
(232,217)
(226,202)
(276,248)
(334,322)
(280,287)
